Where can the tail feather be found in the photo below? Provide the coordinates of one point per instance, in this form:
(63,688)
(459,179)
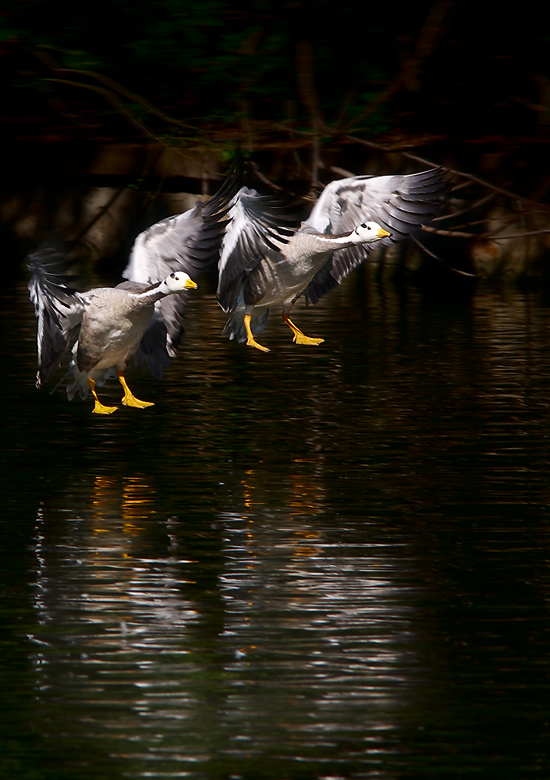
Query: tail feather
(58,308)
(77,381)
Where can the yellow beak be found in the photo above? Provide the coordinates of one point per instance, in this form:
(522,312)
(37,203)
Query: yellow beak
(383,233)
(191,285)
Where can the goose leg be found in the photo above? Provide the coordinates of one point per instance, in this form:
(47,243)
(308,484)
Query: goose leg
(299,337)
(129,398)
(99,408)
(251,341)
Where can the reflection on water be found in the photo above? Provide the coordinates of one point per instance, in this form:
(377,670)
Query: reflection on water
(308,564)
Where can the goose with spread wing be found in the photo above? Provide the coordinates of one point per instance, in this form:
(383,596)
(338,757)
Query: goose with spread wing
(140,318)
(267,260)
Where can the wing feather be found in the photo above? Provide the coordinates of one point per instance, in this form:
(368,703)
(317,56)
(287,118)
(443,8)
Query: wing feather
(58,308)
(259,225)
(401,204)
(190,242)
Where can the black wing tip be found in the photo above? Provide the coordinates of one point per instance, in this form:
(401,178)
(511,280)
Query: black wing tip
(233,179)
(51,261)
(437,176)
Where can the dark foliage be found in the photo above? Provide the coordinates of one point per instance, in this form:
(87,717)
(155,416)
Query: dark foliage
(444,66)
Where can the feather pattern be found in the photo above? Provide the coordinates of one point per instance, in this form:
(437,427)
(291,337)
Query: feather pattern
(190,242)
(58,309)
(259,225)
(103,327)
(268,257)
(401,204)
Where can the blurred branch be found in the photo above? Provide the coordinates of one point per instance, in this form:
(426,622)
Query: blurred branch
(468,176)
(114,87)
(429,38)
(439,259)
(113,92)
(114,101)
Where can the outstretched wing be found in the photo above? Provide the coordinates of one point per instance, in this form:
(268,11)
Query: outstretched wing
(190,242)
(259,225)
(401,204)
(58,308)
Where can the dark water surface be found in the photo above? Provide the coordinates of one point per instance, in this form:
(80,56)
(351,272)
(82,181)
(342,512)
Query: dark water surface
(318,563)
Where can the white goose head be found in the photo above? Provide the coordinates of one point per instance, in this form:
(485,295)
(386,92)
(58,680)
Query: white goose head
(368,232)
(177,282)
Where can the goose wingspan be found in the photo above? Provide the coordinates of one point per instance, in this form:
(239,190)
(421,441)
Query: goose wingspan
(190,242)
(259,225)
(58,308)
(401,204)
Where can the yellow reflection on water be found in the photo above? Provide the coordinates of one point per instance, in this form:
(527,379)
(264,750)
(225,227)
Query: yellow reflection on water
(130,498)
(138,497)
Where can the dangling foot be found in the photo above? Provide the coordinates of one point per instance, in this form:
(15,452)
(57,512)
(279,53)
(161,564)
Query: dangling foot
(99,408)
(129,398)
(251,341)
(299,337)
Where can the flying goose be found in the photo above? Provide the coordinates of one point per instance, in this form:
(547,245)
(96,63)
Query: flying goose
(267,260)
(141,318)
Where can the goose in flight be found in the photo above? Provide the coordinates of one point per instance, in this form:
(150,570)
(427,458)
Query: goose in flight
(140,318)
(267,260)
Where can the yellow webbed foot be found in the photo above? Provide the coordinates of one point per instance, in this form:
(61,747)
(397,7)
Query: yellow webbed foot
(299,337)
(129,398)
(99,408)
(251,341)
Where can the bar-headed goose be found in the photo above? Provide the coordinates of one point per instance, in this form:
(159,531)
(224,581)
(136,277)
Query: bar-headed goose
(141,318)
(265,260)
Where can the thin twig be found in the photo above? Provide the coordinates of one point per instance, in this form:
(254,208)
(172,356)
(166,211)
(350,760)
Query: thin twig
(526,233)
(435,257)
(264,178)
(114,101)
(478,204)
(450,233)
(100,213)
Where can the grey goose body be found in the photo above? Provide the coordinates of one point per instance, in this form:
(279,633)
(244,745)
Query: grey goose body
(142,317)
(267,260)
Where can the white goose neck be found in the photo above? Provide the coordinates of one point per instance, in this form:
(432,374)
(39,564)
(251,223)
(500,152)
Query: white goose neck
(154,293)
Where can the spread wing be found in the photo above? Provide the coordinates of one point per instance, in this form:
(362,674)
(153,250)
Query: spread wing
(259,226)
(191,242)
(58,308)
(401,204)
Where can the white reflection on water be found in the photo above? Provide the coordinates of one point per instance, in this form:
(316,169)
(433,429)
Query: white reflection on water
(97,571)
(312,629)
(323,623)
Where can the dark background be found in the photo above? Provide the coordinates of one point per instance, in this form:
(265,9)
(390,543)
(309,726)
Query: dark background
(464,70)
(310,91)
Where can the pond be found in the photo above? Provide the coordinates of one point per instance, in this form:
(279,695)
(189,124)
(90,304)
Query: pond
(327,562)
